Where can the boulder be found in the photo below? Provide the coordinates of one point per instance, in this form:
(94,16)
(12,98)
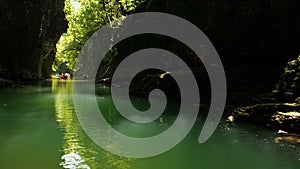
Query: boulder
(6,83)
(279,109)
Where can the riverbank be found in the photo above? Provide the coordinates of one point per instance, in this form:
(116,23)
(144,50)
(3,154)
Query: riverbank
(6,83)
(278,110)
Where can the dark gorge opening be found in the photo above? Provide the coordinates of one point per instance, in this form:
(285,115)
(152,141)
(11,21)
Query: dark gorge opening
(257,42)
(29,33)
(253,37)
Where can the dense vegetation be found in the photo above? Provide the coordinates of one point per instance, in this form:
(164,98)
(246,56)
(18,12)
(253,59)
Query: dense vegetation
(85,18)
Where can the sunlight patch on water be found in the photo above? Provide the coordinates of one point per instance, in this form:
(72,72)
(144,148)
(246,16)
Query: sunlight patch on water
(73,161)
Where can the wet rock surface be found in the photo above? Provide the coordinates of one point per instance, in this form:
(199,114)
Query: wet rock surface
(278,110)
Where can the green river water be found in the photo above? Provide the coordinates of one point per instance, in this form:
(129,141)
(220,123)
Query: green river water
(40,130)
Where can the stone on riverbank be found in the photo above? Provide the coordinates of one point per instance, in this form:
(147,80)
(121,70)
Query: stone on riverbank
(270,109)
(6,83)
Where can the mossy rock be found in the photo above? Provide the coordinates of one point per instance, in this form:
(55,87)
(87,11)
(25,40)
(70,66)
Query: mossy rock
(288,87)
(288,121)
(278,116)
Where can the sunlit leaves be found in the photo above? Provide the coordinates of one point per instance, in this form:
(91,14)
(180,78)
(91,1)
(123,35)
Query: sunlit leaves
(85,17)
(130,5)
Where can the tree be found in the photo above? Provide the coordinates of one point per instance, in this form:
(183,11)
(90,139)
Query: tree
(85,18)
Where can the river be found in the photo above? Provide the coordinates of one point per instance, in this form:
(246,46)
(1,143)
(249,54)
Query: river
(39,129)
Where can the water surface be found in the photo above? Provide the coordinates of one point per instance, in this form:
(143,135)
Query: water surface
(40,130)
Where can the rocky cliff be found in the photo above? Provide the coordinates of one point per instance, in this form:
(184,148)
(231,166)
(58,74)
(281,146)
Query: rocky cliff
(29,31)
(242,31)
(255,39)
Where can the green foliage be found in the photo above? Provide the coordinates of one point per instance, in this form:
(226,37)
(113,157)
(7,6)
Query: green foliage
(85,18)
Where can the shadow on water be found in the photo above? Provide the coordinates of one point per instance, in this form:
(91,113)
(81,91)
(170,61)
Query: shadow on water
(29,138)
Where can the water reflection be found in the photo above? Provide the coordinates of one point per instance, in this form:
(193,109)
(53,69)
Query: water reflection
(79,151)
(237,146)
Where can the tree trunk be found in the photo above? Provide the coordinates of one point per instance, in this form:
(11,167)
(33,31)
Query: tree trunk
(40,64)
